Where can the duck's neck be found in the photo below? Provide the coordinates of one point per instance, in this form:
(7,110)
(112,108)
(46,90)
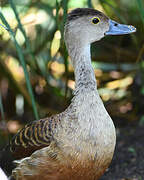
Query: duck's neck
(84,73)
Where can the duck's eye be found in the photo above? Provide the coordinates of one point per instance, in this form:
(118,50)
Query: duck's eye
(95,20)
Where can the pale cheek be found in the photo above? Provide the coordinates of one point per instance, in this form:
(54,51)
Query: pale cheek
(96,37)
(106,28)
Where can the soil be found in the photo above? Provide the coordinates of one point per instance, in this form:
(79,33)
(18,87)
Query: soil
(128,160)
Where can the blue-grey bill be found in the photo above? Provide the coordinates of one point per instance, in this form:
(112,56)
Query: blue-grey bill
(118,29)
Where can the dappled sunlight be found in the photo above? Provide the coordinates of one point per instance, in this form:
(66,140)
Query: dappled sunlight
(71,84)
(19,104)
(13,126)
(55,43)
(19,37)
(57,68)
(122,83)
(15,69)
(115,74)
(39,89)
(42,82)
(125,108)
(115,89)
(98,72)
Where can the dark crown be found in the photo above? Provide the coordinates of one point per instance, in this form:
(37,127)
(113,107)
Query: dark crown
(79,12)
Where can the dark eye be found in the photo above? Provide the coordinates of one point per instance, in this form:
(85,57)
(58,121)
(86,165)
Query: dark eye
(95,20)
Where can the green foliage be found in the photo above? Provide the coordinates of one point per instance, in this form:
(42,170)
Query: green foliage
(141,122)
(132,150)
(141,9)
(37,28)
(22,61)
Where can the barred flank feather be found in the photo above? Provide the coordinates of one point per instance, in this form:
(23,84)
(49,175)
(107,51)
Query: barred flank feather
(32,137)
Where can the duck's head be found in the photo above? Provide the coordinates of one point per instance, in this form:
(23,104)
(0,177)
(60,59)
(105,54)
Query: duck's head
(85,25)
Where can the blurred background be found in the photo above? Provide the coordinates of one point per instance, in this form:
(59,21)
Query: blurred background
(36,75)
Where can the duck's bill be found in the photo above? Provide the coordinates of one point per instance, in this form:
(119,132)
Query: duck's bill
(118,29)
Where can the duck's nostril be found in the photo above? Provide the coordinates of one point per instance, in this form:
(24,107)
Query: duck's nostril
(115,24)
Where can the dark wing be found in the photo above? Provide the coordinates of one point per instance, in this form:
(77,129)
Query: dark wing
(32,137)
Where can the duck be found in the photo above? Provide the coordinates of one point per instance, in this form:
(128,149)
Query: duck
(78,143)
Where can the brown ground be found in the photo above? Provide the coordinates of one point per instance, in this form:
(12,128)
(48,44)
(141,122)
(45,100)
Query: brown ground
(128,161)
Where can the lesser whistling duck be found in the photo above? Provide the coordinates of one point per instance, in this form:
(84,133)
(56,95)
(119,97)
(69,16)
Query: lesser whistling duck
(77,144)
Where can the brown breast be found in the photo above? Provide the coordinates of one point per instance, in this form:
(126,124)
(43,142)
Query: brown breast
(51,164)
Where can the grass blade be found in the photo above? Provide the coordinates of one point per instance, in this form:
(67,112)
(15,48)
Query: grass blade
(22,61)
(115,10)
(141,9)
(64,51)
(28,47)
(89,3)
(1,108)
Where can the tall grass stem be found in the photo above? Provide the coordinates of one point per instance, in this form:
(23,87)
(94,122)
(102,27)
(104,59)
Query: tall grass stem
(22,61)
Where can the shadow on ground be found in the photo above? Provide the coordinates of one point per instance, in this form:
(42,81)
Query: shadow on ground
(128,161)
